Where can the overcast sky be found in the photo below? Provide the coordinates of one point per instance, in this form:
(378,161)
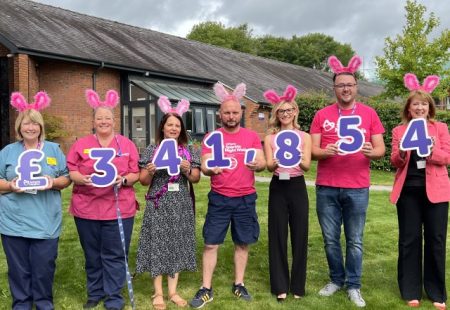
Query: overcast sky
(362,23)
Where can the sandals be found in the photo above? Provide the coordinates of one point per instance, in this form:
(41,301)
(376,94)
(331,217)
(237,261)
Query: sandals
(160,304)
(440,306)
(413,303)
(177,300)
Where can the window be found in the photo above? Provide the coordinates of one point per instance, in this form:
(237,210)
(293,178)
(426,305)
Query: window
(188,120)
(138,94)
(198,121)
(210,120)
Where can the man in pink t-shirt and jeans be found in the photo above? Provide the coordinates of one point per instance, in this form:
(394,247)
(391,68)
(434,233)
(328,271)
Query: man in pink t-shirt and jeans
(232,198)
(343,180)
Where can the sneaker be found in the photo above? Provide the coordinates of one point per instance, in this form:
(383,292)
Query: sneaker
(329,289)
(354,295)
(202,297)
(240,291)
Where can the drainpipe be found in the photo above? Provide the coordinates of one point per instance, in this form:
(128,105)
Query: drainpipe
(94,84)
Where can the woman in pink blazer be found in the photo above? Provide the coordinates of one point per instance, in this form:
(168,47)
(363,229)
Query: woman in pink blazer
(421,192)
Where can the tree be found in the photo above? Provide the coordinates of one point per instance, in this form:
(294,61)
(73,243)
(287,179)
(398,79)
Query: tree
(237,38)
(412,51)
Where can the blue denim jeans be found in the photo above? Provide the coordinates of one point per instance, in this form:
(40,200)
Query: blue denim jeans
(348,206)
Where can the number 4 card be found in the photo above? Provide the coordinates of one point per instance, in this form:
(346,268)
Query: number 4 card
(416,138)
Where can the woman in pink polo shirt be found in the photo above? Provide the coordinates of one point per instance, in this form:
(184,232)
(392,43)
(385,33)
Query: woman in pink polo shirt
(421,192)
(94,208)
(288,200)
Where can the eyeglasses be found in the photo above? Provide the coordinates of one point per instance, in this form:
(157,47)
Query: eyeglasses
(287,111)
(342,86)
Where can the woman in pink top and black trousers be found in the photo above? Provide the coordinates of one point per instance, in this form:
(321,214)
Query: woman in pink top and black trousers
(288,200)
(421,192)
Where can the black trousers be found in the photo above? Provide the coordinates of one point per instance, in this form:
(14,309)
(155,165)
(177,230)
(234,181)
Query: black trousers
(419,219)
(288,206)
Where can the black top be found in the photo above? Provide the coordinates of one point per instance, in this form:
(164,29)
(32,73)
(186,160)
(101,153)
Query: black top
(415,177)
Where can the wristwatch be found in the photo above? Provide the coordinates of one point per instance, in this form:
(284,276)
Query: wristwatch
(124,181)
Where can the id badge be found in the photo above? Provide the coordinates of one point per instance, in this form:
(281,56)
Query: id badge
(173,187)
(284,176)
(31,191)
(421,164)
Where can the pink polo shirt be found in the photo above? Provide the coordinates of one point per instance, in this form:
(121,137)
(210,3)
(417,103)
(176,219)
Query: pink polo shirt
(351,170)
(238,180)
(98,203)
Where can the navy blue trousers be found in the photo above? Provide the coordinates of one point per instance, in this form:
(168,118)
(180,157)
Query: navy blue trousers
(31,269)
(105,260)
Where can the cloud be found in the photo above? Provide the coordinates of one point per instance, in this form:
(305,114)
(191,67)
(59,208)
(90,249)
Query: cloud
(364,24)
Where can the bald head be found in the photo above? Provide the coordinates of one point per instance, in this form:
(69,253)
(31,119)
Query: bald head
(230,115)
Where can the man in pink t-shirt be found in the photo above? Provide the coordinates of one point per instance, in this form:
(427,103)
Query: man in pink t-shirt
(232,198)
(343,180)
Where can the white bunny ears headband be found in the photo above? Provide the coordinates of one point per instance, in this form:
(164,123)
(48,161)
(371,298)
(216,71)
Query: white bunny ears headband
(41,101)
(429,84)
(288,96)
(166,107)
(337,67)
(223,94)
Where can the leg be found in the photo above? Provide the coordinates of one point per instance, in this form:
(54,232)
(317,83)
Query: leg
(435,231)
(409,266)
(113,260)
(173,295)
(278,234)
(43,254)
(209,264)
(329,212)
(89,233)
(354,203)
(158,297)
(19,271)
(240,262)
(298,222)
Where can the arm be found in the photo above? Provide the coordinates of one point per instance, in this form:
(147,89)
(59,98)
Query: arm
(146,174)
(398,157)
(61,182)
(317,152)
(440,153)
(306,153)
(260,161)
(80,179)
(272,163)
(374,149)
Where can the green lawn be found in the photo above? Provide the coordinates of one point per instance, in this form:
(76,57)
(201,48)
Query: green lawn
(377,177)
(379,275)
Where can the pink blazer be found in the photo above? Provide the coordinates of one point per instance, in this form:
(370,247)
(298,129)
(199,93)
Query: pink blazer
(437,181)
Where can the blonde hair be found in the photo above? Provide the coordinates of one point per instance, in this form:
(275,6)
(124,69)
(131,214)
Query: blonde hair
(274,122)
(35,117)
(421,95)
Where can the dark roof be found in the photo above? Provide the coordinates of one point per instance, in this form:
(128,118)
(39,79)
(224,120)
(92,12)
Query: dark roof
(33,28)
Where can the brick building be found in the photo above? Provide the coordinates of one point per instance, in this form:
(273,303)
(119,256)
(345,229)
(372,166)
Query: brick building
(63,52)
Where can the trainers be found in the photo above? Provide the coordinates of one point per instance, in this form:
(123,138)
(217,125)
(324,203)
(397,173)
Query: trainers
(202,297)
(329,289)
(240,291)
(354,295)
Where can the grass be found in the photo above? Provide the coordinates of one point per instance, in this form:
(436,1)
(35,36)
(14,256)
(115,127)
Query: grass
(377,177)
(379,270)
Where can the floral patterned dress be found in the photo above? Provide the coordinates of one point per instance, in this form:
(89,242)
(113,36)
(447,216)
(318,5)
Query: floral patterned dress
(167,240)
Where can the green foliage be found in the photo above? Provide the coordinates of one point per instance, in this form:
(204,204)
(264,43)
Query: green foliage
(412,51)
(311,50)
(309,103)
(53,127)
(237,38)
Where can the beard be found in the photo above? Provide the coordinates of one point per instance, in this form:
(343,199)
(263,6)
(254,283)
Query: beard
(230,124)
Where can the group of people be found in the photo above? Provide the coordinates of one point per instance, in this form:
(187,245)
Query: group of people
(30,220)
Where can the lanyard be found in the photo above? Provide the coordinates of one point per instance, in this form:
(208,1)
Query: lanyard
(340,111)
(38,147)
(119,149)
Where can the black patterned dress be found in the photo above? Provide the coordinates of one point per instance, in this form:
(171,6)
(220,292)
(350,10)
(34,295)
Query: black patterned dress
(167,239)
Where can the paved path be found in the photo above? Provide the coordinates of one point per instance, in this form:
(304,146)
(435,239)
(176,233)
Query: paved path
(311,183)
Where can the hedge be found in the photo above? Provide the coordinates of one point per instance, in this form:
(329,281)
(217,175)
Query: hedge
(388,111)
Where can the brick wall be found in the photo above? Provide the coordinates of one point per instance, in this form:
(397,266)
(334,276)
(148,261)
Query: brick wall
(253,119)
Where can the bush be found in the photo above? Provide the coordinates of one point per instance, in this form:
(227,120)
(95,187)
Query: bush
(53,127)
(388,111)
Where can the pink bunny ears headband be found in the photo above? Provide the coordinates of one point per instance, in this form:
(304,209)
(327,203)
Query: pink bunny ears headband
(223,94)
(288,95)
(337,67)
(41,101)
(429,84)
(112,99)
(166,107)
